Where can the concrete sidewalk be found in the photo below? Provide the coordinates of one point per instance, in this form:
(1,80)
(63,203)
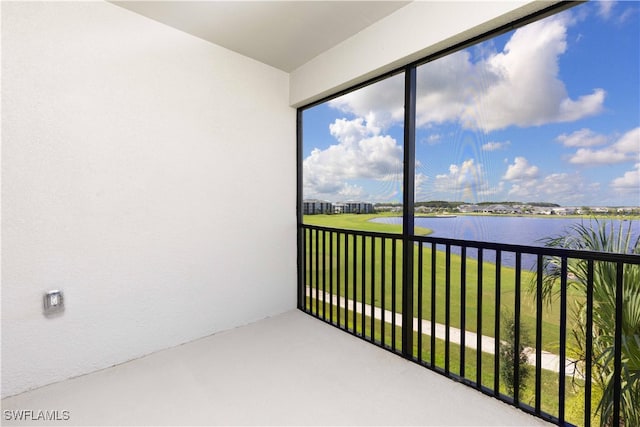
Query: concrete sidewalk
(549,361)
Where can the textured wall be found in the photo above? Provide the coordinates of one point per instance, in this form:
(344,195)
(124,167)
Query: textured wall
(146,173)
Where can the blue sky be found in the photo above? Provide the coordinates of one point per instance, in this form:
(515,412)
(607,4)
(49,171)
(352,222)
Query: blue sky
(549,112)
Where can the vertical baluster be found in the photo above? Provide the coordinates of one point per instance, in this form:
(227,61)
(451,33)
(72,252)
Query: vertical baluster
(447,307)
(308,269)
(317,273)
(393,293)
(383,284)
(331,272)
(373,288)
(563,339)
(433,305)
(338,275)
(347,282)
(324,274)
(479,324)
(496,349)
(420,250)
(617,351)
(589,344)
(539,277)
(363,266)
(355,283)
(516,361)
(463,307)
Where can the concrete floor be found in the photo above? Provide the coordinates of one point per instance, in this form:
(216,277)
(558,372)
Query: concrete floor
(287,370)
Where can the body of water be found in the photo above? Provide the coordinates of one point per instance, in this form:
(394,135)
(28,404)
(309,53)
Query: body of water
(526,230)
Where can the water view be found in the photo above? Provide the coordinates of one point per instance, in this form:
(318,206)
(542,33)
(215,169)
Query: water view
(527,231)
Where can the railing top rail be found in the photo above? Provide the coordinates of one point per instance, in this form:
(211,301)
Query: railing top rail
(358,232)
(505,247)
(535,250)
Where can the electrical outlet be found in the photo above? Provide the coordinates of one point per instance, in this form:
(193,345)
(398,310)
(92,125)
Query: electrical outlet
(53,302)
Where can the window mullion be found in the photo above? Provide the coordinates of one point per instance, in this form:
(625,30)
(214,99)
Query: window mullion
(408,209)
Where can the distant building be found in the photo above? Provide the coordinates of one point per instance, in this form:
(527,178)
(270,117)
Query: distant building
(600,209)
(627,210)
(501,209)
(395,207)
(423,209)
(539,210)
(340,208)
(313,206)
(469,208)
(565,210)
(358,207)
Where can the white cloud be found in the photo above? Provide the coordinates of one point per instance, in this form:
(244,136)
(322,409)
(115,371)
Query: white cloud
(586,156)
(629,142)
(422,189)
(525,190)
(381,103)
(560,188)
(586,105)
(625,149)
(433,139)
(520,170)
(627,14)
(445,87)
(629,182)
(528,91)
(465,181)
(493,145)
(582,138)
(518,86)
(490,191)
(560,184)
(605,10)
(351,192)
(362,152)
(605,7)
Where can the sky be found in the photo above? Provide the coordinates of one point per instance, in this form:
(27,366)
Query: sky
(549,112)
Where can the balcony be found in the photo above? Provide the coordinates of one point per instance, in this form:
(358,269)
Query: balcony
(147,173)
(463,293)
(290,369)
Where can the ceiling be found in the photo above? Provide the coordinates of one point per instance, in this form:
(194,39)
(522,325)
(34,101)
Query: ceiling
(283,34)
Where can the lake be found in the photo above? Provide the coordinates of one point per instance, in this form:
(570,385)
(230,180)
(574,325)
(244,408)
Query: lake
(526,230)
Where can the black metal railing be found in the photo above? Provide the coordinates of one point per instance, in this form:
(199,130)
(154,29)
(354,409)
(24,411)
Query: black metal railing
(462,293)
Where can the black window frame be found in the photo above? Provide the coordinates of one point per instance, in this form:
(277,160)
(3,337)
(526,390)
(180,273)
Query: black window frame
(408,187)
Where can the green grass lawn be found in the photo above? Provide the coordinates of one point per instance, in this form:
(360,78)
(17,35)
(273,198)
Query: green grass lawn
(332,267)
(361,222)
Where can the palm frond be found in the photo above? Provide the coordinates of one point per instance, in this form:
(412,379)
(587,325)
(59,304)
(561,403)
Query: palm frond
(602,237)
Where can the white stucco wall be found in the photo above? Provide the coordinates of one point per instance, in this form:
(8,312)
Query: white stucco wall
(149,175)
(413,32)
